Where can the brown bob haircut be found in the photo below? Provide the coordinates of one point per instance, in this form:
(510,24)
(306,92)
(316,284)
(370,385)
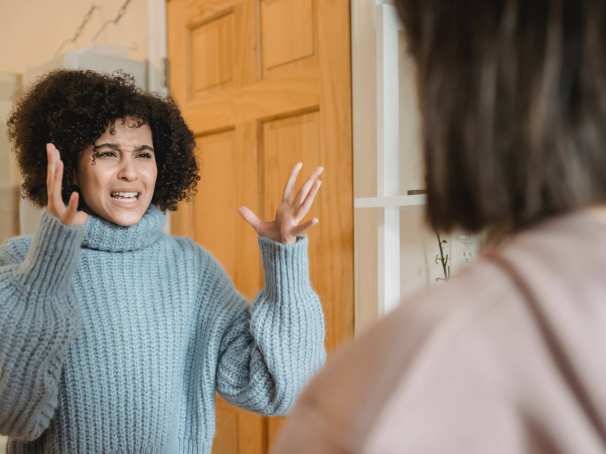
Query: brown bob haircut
(512,95)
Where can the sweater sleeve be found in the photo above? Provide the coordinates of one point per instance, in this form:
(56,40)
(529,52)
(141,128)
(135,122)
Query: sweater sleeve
(37,324)
(270,349)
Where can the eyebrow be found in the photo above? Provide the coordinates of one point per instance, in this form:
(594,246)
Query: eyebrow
(115,146)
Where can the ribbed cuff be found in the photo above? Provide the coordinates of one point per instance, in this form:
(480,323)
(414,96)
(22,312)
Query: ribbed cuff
(52,257)
(286,269)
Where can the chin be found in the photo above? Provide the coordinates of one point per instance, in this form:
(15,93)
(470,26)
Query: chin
(125,219)
(121,216)
(125,223)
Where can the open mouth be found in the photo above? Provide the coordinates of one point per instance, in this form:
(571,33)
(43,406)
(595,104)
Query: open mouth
(125,195)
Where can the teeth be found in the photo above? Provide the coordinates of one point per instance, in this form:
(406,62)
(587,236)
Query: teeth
(125,195)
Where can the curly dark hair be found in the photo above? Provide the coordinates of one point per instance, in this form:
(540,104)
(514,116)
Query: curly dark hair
(73,108)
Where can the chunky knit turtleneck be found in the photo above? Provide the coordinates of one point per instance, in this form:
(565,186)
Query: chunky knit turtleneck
(116,339)
(105,236)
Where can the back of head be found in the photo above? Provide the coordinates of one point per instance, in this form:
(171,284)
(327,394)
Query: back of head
(513,99)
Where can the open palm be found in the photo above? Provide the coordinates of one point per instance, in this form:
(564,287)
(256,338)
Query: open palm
(292,209)
(69,214)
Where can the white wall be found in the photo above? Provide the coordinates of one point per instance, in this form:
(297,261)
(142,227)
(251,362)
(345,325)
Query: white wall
(31,31)
(9,85)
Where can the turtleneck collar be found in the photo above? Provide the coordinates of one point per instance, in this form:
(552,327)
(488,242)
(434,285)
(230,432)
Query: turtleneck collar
(106,236)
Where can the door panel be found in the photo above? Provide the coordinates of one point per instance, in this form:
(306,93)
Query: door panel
(214,207)
(212,55)
(287,37)
(264,84)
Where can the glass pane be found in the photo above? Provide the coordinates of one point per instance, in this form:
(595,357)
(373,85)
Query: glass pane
(425,261)
(383,117)
(411,169)
(366,224)
(408,244)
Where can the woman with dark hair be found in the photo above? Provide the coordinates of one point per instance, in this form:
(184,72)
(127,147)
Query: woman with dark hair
(508,356)
(115,336)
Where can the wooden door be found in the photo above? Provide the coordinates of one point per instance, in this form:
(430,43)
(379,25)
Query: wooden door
(264,84)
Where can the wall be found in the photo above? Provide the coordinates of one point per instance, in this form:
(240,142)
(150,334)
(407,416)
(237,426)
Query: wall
(9,85)
(32,31)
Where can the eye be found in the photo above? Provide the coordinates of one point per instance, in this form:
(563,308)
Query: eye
(144,155)
(105,154)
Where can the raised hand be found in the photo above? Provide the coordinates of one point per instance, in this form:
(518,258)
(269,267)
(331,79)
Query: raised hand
(68,215)
(291,211)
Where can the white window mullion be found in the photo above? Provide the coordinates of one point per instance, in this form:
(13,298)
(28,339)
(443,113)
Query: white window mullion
(388,154)
(390,201)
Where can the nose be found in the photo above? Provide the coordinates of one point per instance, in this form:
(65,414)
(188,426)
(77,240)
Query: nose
(127,171)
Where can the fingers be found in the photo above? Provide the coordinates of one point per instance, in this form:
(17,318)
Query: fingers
(50,169)
(72,208)
(251,218)
(54,188)
(54,175)
(58,184)
(303,193)
(298,230)
(287,196)
(54,180)
(308,202)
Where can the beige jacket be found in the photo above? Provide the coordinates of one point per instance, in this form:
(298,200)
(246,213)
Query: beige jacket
(508,357)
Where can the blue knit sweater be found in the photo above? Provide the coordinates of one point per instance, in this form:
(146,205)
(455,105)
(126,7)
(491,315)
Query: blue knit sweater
(116,339)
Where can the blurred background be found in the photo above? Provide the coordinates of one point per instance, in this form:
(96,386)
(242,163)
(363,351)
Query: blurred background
(263,84)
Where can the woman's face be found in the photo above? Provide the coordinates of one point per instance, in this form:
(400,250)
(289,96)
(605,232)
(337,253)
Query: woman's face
(117,174)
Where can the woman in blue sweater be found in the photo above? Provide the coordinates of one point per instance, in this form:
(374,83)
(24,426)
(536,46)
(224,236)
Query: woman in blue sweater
(114,336)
